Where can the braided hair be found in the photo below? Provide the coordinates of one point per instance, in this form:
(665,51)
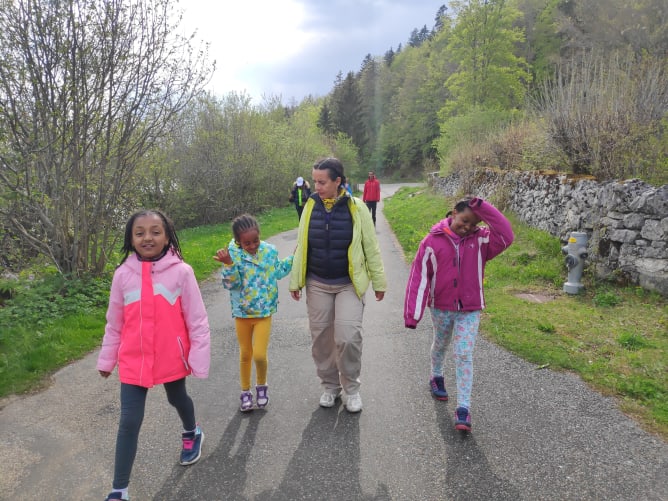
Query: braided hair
(170,231)
(461,205)
(242,224)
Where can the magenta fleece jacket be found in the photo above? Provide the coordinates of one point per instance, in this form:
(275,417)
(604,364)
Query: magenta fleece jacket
(157,327)
(448,271)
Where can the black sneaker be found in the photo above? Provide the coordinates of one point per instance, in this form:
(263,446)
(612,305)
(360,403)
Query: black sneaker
(462,419)
(437,385)
(192,446)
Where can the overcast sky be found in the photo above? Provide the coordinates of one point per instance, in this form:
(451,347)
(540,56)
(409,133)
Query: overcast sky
(293,48)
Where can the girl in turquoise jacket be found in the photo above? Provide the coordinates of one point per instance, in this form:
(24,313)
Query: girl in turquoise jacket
(251,270)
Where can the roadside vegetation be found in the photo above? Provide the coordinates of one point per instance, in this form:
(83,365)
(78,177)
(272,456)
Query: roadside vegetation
(613,337)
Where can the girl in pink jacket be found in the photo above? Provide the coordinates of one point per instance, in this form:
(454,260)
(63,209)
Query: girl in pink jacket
(447,275)
(157,332)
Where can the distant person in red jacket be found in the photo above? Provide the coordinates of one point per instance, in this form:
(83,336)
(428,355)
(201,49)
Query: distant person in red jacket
(371,195)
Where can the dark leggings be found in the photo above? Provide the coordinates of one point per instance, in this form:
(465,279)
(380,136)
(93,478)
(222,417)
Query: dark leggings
(372,209)
(133,402)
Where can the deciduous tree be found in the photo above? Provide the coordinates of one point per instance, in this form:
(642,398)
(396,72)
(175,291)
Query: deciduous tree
(86,89)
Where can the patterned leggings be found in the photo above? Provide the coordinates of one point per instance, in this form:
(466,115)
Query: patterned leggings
(464,325)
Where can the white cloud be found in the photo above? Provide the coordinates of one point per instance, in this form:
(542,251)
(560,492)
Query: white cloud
(246,38)
(293,48)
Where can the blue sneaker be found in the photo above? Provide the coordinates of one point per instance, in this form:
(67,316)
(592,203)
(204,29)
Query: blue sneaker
(192,446)
(462,419)
(437,385)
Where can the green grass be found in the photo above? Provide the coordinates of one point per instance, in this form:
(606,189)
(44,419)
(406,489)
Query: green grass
(51,321)
(613,337)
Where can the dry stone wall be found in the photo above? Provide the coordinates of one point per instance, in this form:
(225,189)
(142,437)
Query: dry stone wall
(626,221)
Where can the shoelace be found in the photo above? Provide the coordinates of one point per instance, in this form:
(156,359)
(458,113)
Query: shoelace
(188,443)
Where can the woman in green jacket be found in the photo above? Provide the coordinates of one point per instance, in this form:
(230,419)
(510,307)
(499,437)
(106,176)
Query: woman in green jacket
(336,258)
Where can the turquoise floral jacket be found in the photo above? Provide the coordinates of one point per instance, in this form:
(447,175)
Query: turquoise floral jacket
(253,280)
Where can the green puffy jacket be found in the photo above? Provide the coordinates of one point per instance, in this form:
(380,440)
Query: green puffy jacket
(364,262)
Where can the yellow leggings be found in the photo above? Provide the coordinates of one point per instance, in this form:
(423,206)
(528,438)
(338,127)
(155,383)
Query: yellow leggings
(253,336)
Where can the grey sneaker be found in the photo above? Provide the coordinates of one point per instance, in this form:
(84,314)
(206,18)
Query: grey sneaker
(354,403)
(328,398)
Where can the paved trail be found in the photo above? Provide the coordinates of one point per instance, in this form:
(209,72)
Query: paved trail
(538,434)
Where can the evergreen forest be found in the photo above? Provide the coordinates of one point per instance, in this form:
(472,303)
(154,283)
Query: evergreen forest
(103,110)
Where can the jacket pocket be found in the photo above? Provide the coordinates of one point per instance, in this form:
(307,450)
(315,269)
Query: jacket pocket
(183,353)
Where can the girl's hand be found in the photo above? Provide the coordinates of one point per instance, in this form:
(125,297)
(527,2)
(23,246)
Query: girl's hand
(223,256)
(380,295)
(296,295)
(104,374)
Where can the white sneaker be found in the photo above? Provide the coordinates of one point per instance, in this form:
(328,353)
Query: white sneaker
(354,403)
(328,398)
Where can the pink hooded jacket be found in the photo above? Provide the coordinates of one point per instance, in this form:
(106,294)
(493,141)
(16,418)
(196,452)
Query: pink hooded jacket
(447,272)
(157,326)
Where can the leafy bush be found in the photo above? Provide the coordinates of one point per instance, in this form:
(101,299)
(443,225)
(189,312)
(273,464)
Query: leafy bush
(606,298)
(41,301)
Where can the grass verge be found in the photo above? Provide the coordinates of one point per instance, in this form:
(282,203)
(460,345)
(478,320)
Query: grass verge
(613,337)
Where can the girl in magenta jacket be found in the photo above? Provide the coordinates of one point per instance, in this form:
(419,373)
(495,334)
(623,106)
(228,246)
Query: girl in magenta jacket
(157,332)
(447,275)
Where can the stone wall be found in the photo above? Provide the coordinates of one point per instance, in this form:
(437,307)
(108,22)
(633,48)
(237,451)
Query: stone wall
(626,221)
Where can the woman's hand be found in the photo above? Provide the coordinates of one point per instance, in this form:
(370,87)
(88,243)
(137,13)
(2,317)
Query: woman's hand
(223,256)
(104,374)
(380,295)
(296,295)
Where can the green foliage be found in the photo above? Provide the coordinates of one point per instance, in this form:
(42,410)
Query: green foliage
(39,302)
(462,135)
(347,110)
(546,41)
(632,341)
(606,298)
(229,156)
(483,44)
(617,348)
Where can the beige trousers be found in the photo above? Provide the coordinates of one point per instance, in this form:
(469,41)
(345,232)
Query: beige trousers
(335,318)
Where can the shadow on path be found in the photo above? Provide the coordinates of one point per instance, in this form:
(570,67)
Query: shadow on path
(326,465)
(222,474)
(467,464)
